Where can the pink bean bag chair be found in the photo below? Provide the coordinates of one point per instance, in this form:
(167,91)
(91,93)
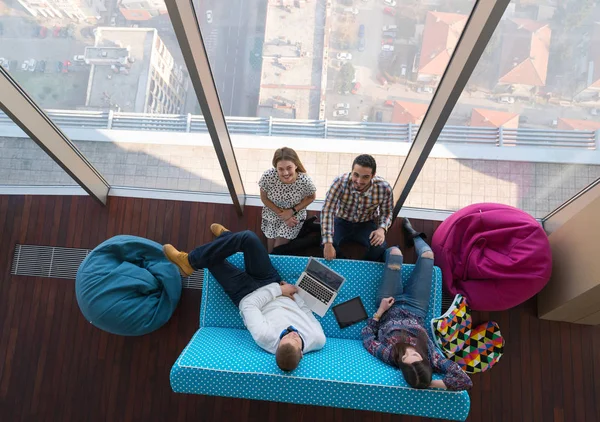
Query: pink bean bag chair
(495,255)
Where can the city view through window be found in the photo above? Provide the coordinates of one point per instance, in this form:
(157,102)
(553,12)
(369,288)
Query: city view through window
(525,131)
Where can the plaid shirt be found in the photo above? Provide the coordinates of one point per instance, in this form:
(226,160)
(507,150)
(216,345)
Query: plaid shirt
(357,207)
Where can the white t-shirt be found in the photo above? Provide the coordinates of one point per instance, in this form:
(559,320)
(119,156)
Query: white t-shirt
(267,313)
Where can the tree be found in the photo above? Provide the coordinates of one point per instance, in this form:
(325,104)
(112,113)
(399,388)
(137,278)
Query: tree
(345,78)
(346,35)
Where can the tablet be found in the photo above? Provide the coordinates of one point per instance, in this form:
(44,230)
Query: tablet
(350,312)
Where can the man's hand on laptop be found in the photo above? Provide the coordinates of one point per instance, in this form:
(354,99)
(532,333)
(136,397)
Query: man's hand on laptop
(288,289)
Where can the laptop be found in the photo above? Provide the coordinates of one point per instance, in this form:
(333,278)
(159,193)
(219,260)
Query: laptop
(318,286)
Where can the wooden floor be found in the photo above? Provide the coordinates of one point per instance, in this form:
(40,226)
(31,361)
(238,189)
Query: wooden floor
(54,366)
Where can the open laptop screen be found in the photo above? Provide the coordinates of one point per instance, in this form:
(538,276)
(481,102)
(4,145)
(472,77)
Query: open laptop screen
(324,274)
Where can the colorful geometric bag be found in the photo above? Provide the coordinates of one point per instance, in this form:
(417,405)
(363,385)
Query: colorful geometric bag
(454,327)
(474,349)
(483,349)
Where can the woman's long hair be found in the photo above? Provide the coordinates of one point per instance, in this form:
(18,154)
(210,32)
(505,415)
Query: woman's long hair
(288,154)
(416,374)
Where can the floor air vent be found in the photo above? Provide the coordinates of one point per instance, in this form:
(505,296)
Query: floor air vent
(55,262)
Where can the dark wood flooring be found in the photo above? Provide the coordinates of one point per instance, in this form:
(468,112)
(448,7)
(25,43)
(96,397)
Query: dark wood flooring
(54,366)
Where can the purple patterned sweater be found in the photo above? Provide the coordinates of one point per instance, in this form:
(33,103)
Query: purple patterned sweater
(379,339)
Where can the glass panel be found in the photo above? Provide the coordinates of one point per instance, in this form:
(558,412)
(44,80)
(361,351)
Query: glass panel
(24,163)
(335,71)
(525,130)
(99,65)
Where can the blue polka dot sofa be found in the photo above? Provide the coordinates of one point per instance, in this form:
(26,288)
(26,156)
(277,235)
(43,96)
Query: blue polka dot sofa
(222,359)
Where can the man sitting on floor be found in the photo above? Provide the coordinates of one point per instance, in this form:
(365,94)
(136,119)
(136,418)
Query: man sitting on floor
(358,207)
(278,319)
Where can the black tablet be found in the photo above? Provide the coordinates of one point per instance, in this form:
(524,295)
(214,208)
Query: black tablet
(350,312)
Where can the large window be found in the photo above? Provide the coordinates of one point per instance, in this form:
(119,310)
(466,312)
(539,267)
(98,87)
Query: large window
(102,69)
(525,130)
(335,71)
(24,163)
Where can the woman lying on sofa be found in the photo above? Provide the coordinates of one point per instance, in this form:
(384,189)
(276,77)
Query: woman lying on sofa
(396,334)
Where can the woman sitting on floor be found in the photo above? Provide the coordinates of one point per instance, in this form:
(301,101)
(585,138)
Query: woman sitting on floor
(286,190)
(396,334)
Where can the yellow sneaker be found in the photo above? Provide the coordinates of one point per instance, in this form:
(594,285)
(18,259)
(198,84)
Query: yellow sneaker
(178,258)
(217,229)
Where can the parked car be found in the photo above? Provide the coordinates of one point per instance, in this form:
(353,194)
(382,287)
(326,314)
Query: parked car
(381,79)
(25,65)
(338,113)
(379,116)
(41,66)
(389,34)
(391,3)
(79,58)
(356,88)
(388,41)
(403,70)
(65,66)
(361,38)
(342,106)
(56,31)
(113,21)
(32,64)
(389,103)
(59,66)
(506,100)
(351,10)
(387,47)
(13,65)
(362,44)
(595,112)
(209,17)
(426,89)
(389,27)
(389,11)
(5,63)
(42,32)
(344,56)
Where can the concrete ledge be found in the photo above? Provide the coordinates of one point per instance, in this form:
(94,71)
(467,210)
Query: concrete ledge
(456,151)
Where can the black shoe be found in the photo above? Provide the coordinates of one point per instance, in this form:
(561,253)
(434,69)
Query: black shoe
(410,233)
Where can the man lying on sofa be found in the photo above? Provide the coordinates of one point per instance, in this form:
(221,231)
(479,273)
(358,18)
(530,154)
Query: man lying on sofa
(278,319)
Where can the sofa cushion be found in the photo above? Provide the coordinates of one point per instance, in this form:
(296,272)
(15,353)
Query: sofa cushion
(362,279)
(227,362)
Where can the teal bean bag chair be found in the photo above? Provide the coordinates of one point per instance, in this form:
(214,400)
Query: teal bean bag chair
(127,286)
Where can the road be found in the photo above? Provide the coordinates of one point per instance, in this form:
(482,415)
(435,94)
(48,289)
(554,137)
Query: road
(225,40)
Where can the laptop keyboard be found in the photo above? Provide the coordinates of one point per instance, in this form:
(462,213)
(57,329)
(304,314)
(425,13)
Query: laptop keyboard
(316,289)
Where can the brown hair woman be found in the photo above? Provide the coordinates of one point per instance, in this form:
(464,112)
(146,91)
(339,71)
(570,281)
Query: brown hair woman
(286,190)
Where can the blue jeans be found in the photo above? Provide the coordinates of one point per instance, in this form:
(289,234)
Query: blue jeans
(344,230)
(236,283)
(413,297)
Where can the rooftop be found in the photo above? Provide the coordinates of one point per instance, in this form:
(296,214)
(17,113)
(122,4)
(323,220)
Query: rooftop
(441,33)
(574,124)
(481,117)
(108,88)
(525,52)
(408,112)
(290,85)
